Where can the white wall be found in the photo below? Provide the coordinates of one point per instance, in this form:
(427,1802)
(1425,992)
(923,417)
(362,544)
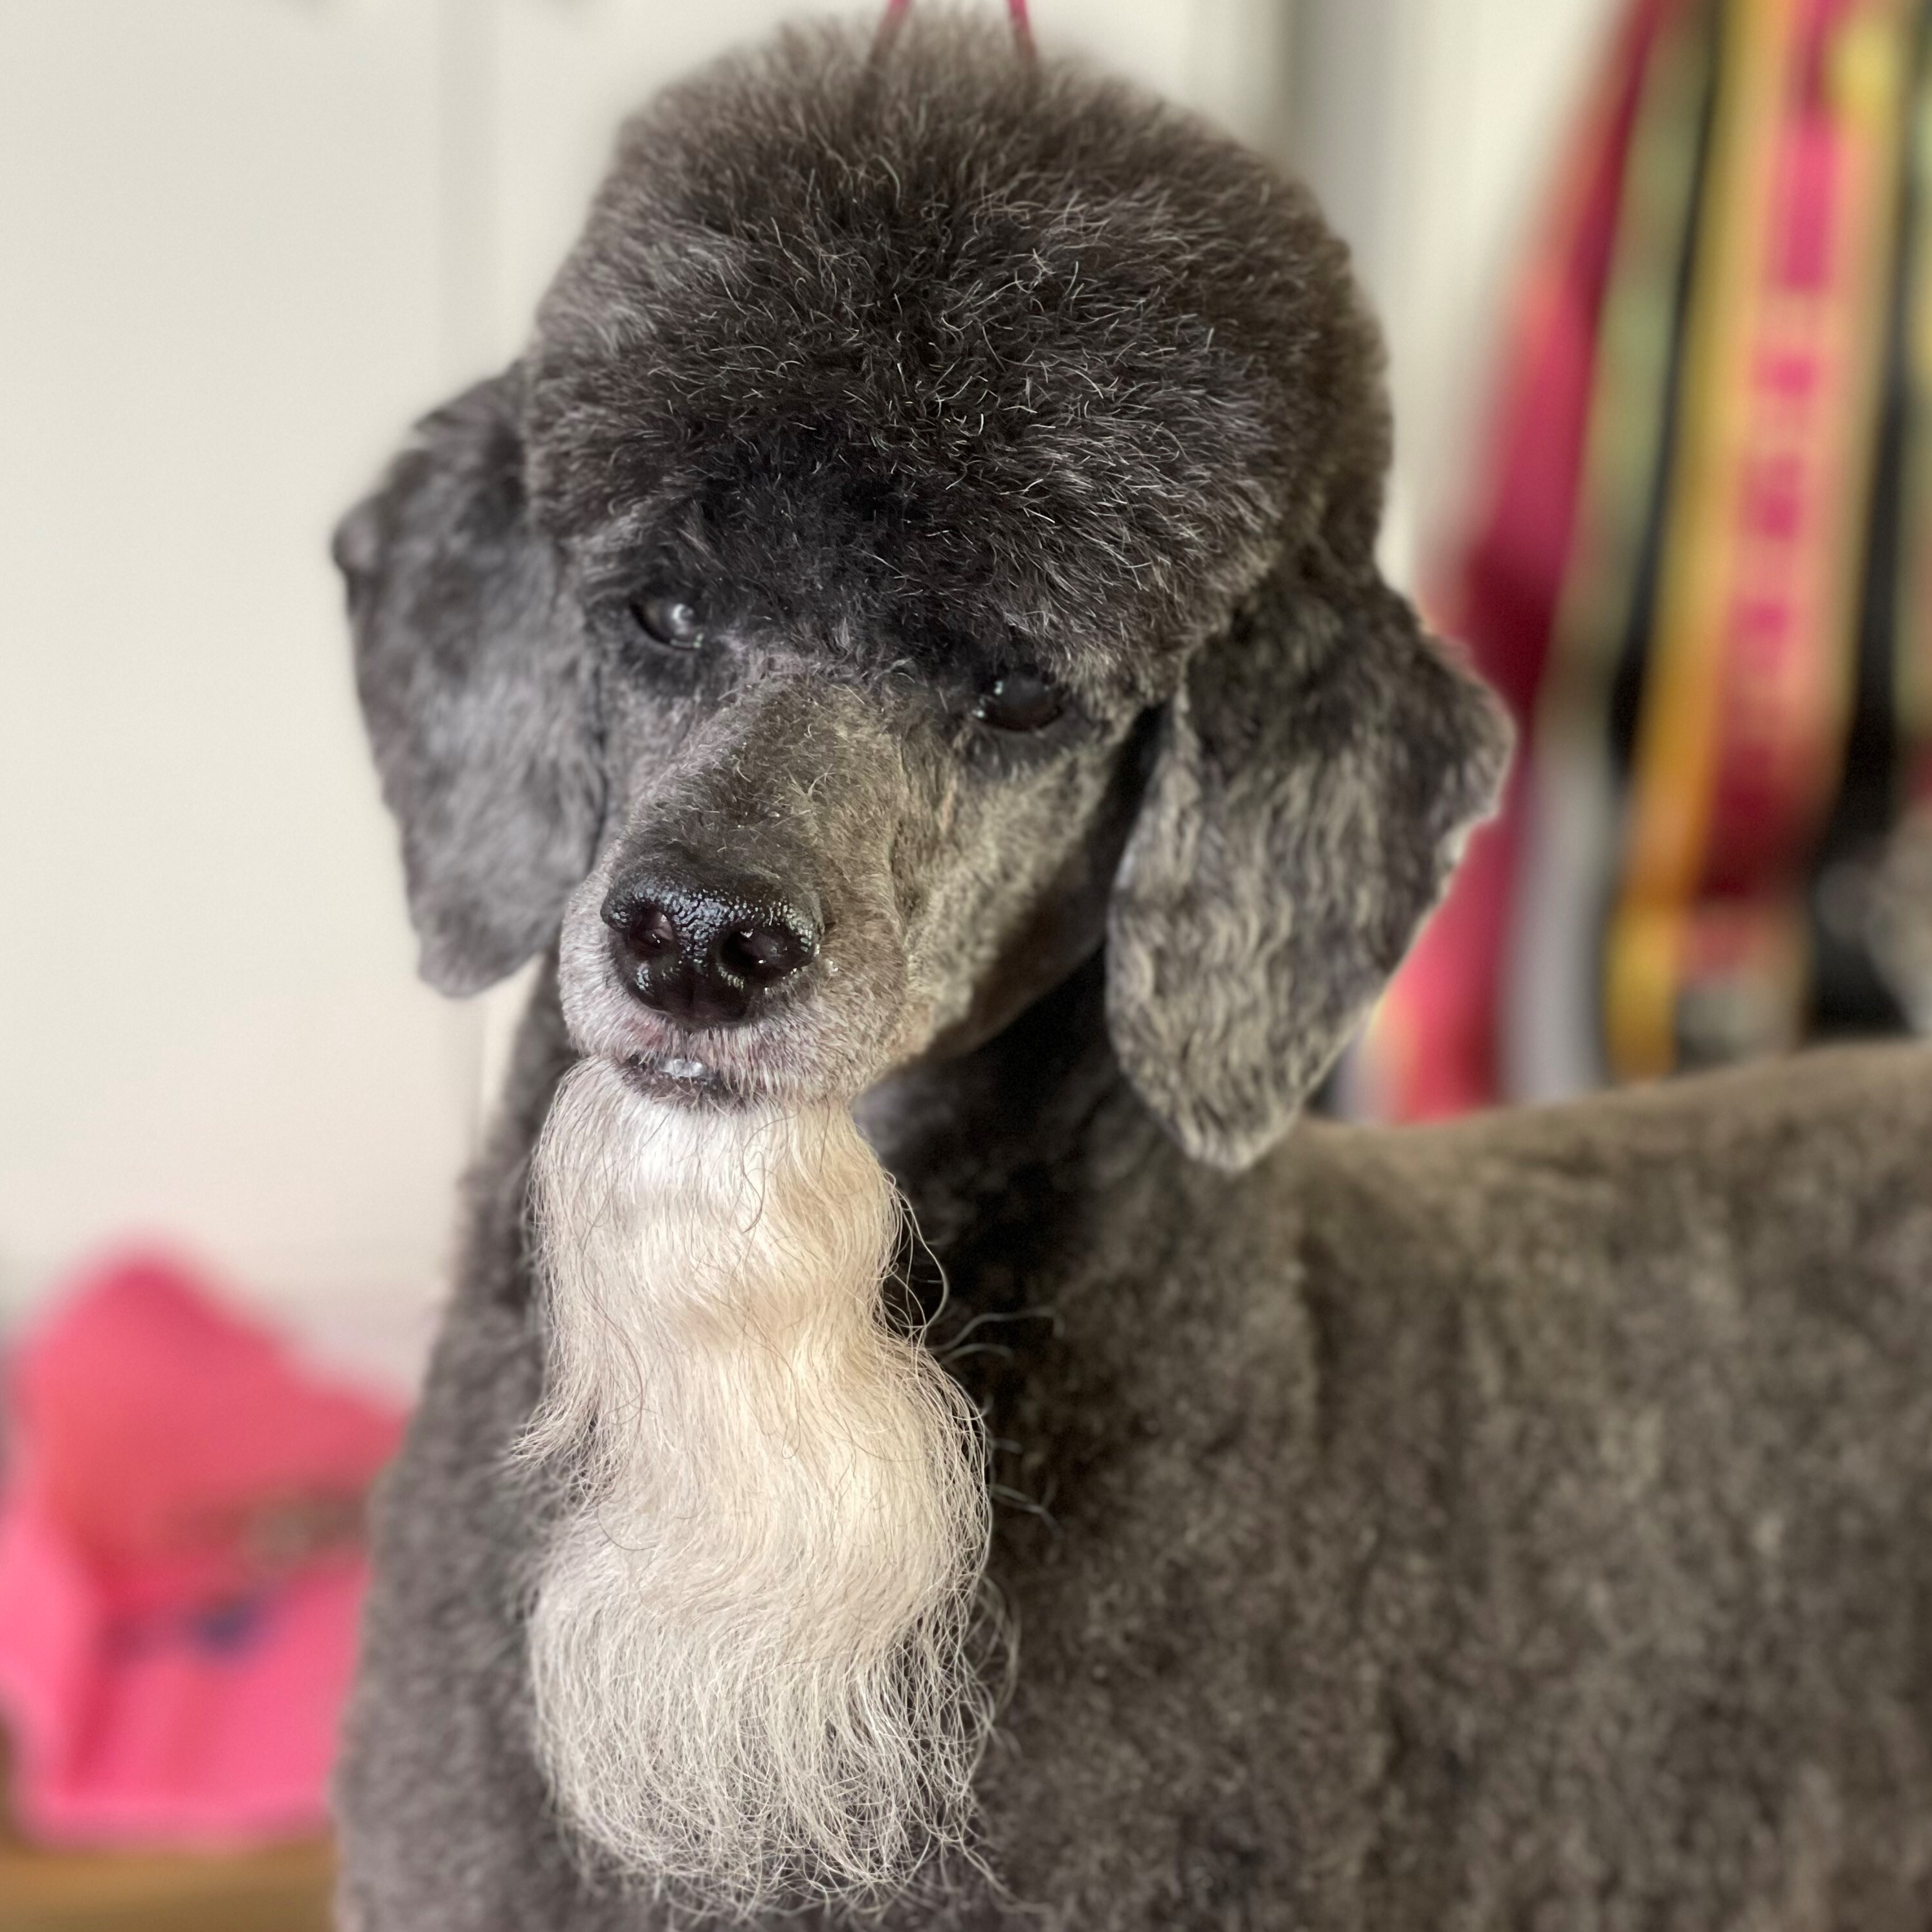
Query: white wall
(243,243)
(1431,129)
(219,227)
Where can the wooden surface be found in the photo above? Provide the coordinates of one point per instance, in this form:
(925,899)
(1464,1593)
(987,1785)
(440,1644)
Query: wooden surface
(284,1890)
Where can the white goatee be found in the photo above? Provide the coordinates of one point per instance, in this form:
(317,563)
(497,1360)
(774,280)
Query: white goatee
(747,1637)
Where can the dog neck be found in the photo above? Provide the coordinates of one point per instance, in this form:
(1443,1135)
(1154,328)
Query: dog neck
(970,1141)
(1045,1096)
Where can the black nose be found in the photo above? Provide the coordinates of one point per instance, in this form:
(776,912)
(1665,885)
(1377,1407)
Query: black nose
(704,953)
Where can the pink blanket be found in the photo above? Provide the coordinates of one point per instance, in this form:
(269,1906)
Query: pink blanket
(181,1564)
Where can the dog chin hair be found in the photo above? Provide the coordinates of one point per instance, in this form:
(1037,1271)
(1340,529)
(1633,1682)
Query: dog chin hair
(749,1633)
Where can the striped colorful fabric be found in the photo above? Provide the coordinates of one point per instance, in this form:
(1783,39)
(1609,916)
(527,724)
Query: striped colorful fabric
(1715,634)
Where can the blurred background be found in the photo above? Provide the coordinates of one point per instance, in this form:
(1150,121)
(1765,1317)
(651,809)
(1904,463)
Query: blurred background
(1651,273)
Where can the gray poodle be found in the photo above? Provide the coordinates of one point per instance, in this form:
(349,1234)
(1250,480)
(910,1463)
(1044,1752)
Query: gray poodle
(922,1436)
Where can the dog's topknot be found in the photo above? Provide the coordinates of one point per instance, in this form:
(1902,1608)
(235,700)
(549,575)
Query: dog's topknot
(1019,324)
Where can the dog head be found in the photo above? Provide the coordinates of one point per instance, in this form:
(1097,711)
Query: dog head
(929,535)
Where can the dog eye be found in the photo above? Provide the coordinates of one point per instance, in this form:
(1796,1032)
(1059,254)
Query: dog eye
(668,617)
(1019,701)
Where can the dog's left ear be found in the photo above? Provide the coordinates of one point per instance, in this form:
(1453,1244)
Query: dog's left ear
(1318,773)
(477,688)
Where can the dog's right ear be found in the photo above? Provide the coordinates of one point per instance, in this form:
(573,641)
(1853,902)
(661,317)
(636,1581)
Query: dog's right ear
(477,689)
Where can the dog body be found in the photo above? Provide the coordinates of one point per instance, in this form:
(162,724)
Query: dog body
(1522,1522)
(905,638)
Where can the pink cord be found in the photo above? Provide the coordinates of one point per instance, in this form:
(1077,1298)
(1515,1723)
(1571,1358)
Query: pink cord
(894,18)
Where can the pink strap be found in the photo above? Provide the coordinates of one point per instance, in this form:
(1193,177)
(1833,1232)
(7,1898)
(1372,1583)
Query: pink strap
(896,11)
